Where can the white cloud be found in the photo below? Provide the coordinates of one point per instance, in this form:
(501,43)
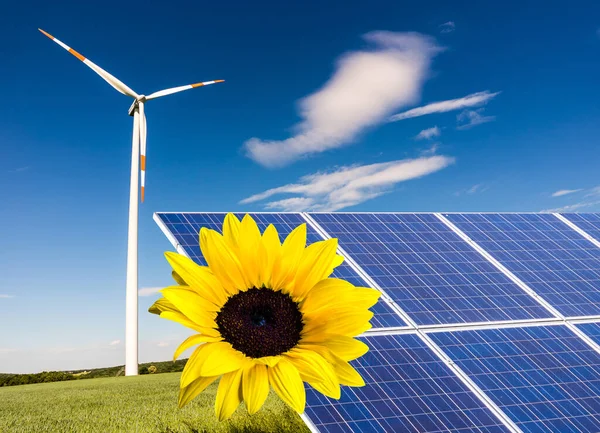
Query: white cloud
(470,118)
(6,296)
(19,169)
(429,133)
(365,89)
(448,27)
(350,185)
(149,291)
(574,207)
(472,100)
(432,150)
(592,192)
(115,343)
(475,189)
(562,192)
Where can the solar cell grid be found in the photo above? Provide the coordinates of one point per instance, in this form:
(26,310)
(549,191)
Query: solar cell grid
(545,253)
(546,379)
(592,330)
(186,226)
(588,222)
(433,275)
(408,389)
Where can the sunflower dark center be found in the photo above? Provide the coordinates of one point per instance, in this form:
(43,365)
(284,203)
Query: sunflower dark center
(260,322)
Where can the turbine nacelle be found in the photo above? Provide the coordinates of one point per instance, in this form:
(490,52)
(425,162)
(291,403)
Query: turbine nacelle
(135,104)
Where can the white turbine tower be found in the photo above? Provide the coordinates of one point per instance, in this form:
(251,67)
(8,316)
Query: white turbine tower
(138,162)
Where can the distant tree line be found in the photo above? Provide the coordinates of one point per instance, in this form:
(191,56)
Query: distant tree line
(43,377)
(59,376)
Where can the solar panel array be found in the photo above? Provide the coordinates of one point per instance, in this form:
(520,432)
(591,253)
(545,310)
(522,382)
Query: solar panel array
(546,254)
(428,270)
(408,389)
(588,222)
(470,335)
(545,378)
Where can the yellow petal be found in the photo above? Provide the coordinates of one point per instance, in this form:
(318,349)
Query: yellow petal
(286,382)
(269,254)
(191,371)
(193,306)
(347,348)
(188,393)
(270,361)
(314,368)
(222,261)
(284,269)
(327,390)
(248,251)
(192,341)
(211,359)
(229,395)
(183,320)
(316,265)
(199,278)
(342,321)
(338,260)
(178,279)
(231,230)
(221,358)
(347,375)
(161,305)
(255,387)
(333,291)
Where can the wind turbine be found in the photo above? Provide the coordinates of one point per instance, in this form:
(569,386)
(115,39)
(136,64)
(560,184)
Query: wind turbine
(138,156)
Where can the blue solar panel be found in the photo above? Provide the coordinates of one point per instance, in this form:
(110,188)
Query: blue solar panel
(186,226)
(592,330)
(428,270)
(545,253)
(546,379)
(408,389)
(588,222)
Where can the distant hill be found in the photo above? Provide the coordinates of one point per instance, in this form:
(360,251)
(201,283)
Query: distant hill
(119,370)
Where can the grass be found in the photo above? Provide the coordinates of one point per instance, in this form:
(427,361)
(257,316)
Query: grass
(131,404)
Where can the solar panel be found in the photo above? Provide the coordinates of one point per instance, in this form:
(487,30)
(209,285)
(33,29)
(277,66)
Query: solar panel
(588,222)
(545,253)
(408,389)
(428,269)
(546,379)
(185,228)
(592,330)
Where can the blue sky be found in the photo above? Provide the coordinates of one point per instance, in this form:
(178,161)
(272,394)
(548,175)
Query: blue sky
(398,106)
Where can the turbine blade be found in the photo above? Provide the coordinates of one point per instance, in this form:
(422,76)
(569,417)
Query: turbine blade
(142,148)
(113,81)
(181,89)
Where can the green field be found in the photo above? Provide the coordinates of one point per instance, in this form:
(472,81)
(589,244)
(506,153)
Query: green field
(130,404)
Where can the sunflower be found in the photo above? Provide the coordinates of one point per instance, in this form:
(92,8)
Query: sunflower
(267,315)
